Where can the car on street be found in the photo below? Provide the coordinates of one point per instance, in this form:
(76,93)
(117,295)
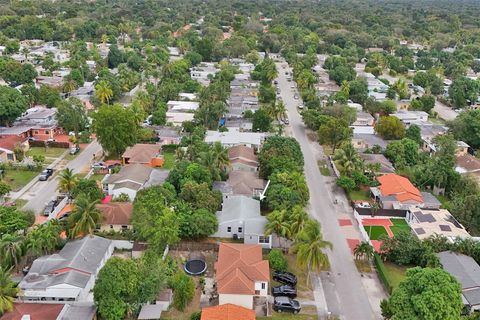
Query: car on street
(300,106)
(45,174)
(286,121)
(99,166)
(284,291)
(49,207)
(295,97)
(275,82)
(74,150)
(281,304)
(285,278)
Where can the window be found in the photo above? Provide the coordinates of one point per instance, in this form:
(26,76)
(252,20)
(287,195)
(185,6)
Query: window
(229,229)
(111,226)
(240,229)
(263,239)
(263,285)
(47,132)
(124,227)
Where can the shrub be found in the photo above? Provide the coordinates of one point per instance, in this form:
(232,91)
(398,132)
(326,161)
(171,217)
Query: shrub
(183,290)
(347,183)
(277,260)
(382,272)
(197,315)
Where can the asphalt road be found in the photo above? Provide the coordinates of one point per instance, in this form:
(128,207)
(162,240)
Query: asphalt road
(44,191)
(345,289)
(444,112)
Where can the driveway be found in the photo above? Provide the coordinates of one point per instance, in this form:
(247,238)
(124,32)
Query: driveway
(43,191)
(344,292)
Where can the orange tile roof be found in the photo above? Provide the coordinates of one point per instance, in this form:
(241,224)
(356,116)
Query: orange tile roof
(67,209)
(9,142)
(239,266)
(227,312)
(394,185)
(37,311)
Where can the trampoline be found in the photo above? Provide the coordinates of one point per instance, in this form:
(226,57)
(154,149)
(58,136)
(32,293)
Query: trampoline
(196,265)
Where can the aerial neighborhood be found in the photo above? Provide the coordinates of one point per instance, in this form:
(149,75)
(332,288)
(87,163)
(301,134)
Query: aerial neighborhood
(232,160)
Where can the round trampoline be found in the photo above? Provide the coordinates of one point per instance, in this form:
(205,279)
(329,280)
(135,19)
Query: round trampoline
(196,265)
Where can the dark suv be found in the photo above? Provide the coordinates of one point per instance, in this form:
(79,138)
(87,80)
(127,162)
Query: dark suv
(47,173)
(285,277)
(284,291)
(282,304)
(49,207)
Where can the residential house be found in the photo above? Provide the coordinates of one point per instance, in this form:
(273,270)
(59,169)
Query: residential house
(235,137)
(467,272)
(184,96)
(238,124)
(50,311)
(364,119)
(240,182)
(462,148)
(240,218)
(428,131)
(203,72)
(385,165)
(142,153)
(8,143)
(243,158)
(176,119)
(168,135)
(363,141)
(227,311)
(466,165)
(52,82)
(411,117)
(429,222)
(116,216)
(150,312)
(397,192)
(68,275)
(129,180)
(241,274)
(182,106)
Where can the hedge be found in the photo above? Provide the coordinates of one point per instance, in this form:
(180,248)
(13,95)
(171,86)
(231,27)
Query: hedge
(382,272)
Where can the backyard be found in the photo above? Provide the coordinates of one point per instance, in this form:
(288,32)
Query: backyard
(375,232)
(395,273)
(169,158)
(399,225)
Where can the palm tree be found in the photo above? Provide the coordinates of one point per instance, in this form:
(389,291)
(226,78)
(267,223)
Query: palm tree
(279,224)
(104,40)
(11,250)
(68,181)
(8,291)
(207,158)
(221,156)
(84,218)
(348,158)
(44,238)
(69,85)
(363,251)
(103,91)
(308,246)
(298,219)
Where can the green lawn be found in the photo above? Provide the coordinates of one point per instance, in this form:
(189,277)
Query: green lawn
(323,166)
(399,225)
(51,152)
(169,158)
(395,274)
(374,232)
(359,195)
(17,179)
(97,177)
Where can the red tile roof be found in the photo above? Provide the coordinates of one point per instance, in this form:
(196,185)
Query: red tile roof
(227,312)
(116,213)
(394,185)
(238,267)
(9,142)
(37,311)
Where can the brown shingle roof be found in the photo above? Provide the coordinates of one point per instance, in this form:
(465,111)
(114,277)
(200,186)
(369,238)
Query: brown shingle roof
(238,267)
(243,154)
(116,213)
(37,311)
(244,182)
(141,153)
(468,163)
(227,312)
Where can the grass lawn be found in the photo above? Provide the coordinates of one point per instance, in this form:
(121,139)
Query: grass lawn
(374,232)
(169,158)
(395,274)
(399,225)
(51,152)
(323,166)
(359,195)
(97,177)
(17,179)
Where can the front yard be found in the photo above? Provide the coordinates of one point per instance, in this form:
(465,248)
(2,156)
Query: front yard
(49,152)
(358,195)
(17,179)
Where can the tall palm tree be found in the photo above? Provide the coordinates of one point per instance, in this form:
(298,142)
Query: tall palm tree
(103,91)
(69,85)
(84,218)
(363,251)
(68,181)
(8,291)
(221,156)
(298,219)
(44,238)
(279,224)
(348,158)
(207,158)
(309,246)
(11,250)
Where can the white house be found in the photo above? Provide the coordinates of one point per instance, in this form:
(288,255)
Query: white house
(129,180)
(68,275)
(234,137)
(241,274)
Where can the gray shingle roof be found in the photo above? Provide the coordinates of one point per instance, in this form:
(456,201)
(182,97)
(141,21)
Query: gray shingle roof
(462,267)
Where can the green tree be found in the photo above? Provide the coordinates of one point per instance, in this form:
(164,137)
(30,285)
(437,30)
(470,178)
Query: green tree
(463,91)
(84,217)
(261,121)
(390,128)
(334,132)
(277,260)
(115,57)
(68,181)
(200,196)
(103,91)
(12,105)
(401,88)
(13,220)
(116,129)
(364,251)
(183,290)
(49,96)
(278,223)
(11,250)
(88,188)
(72,116)
(8,291)
(347,183)
(348,158)
(466,127)
(413,298)
(403,153)
(4,188)
(309,246)
(413,133)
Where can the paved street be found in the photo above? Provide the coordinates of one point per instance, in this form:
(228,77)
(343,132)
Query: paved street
(44,191)
(444,112)
(344,292)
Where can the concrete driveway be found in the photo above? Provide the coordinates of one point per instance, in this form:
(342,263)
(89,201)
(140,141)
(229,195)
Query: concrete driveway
(344,292)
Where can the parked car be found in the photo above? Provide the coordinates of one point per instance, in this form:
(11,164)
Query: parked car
(99,165)
(45,174)
(285,278)
(275,82)
(295,97)
(74,150)
(49,207)
(300,106)
(114,165)
(286,121)
(282,304)
(284,291)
